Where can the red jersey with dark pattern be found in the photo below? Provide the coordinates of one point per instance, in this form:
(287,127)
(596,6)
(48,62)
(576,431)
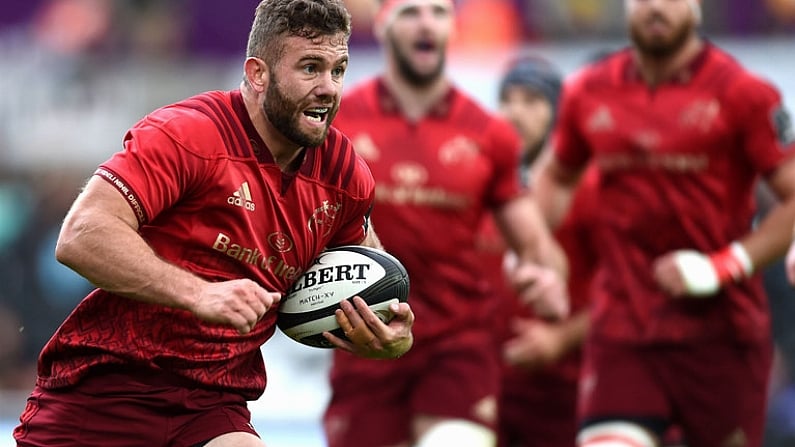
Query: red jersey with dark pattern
(210,199)
(573,235)
(435,179)
(677,166)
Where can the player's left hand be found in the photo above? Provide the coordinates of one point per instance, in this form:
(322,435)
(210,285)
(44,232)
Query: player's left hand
(537,344)
(541,287)
(370,337)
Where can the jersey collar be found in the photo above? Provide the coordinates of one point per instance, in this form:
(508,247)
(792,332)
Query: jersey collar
(257,144)
(389,104)
(685,75)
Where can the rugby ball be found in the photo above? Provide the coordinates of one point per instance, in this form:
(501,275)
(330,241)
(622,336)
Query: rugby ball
(339,273)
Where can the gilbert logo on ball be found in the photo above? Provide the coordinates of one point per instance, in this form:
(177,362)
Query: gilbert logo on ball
(341,273)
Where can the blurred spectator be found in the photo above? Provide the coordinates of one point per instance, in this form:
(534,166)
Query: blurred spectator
(154,28)
(73,26)
(783,11)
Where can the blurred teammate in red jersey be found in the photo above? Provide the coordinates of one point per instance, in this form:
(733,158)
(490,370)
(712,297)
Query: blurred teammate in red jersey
(441,162)
(538,400)
(192,233)
(680,330)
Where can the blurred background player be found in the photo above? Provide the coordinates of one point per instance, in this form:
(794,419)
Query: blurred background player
(680,329)
(441,162)
(538,399)
(177,232)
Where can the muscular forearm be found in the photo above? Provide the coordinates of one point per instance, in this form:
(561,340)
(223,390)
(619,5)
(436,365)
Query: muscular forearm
(371,239)
(115,258)
(108,251)
(772,236)
(553,189)
(528,237)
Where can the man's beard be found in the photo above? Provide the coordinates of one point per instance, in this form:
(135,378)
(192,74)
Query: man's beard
(411,75)
(285,116)
(662,49)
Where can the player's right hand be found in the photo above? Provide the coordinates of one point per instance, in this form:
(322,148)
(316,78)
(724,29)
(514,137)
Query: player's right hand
(239,303)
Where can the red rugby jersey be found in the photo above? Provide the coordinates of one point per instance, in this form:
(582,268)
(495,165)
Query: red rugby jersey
(210,198)
(677,166)
(435,179)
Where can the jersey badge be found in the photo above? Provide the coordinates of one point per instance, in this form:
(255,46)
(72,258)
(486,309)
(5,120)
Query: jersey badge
(601,120)
(457,150)
(700,114)
(647,140)
(323,218)
(280,242)
(242,198)
(409,173)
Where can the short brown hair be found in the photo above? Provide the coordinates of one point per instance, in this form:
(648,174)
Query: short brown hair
(304,18)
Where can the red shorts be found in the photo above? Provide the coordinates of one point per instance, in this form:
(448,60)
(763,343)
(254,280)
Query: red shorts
(537,410)
(130,409)
(715,392)
(373,402)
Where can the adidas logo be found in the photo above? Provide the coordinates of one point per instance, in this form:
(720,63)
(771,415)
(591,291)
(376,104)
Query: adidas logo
(242,198)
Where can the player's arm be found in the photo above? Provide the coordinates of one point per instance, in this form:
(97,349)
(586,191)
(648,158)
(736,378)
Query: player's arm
(99,239)
(553,185)
(537,266)
(539,343)
(773,233)
(371,238)
(692,273)
(521,223)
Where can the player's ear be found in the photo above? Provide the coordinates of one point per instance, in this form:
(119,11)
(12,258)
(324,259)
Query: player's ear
(257,73)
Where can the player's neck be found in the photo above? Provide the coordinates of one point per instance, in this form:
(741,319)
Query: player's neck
(656,70)
(416,101)
(283,151)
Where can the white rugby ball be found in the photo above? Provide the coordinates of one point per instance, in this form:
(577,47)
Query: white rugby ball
(340,273)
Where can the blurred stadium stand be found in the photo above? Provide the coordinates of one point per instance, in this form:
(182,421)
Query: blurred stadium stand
(75,74)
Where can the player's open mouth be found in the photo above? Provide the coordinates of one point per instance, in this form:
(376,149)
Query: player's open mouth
(425,45)
(317,115)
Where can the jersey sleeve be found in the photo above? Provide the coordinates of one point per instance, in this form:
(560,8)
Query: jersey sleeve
(567,142)
(356,221)
(763,121)
(505,147)
(153,170)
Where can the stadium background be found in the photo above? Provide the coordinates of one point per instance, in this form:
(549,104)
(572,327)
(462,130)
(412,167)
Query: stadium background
(75,74)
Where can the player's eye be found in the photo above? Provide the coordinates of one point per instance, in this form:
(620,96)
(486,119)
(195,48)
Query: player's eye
(441,12)
(338,71)
(310,68)
(410,12)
